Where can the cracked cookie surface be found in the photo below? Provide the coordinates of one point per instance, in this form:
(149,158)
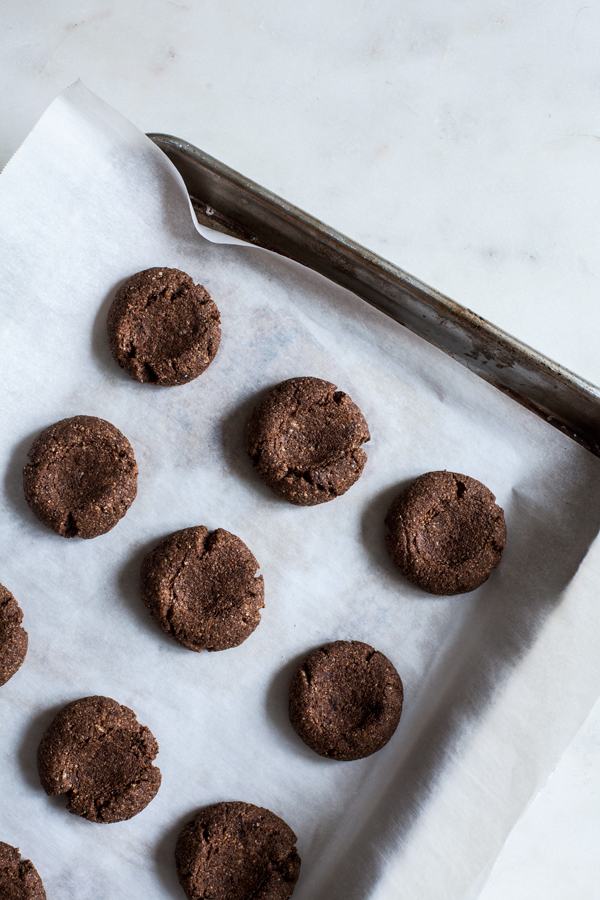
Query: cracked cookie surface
(97,753)
(202,589)
(304,439)
(345,700)
(163,328)
(446,533)
(13,637)
(81,477)
(237,851)
(19,879)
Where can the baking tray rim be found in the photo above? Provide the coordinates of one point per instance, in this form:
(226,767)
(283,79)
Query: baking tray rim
(240,207)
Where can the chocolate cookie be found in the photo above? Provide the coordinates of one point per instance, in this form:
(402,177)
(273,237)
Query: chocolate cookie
(446,533)
(237,851)
(304,439)
(81,477)
(162,328)
(346,700)
(202,588)
(19,879)
(13,638)
(97,753)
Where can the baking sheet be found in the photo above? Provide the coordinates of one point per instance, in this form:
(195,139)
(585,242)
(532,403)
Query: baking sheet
(496,682)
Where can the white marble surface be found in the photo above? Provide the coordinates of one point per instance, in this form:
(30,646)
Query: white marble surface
(462,141)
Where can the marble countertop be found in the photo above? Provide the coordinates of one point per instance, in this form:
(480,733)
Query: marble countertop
(460,141)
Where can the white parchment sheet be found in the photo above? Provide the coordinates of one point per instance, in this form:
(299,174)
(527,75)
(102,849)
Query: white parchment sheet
(496,682)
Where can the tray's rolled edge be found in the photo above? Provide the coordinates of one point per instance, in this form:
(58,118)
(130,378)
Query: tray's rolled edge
(236,205)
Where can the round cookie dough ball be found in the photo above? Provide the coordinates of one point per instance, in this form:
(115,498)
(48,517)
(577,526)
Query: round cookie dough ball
(234,851)
(345,700)
(202,588)
(98,754)
(19,879)
(162,328)
(13,637)
(446,533)
(81,477)
(304,439)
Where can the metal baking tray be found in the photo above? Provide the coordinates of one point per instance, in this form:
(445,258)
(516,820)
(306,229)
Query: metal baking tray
(227,201)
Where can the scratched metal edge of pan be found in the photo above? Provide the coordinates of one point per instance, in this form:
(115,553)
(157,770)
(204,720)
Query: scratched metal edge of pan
(235,205)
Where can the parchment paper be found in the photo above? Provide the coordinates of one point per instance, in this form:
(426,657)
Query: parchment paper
(496,682)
